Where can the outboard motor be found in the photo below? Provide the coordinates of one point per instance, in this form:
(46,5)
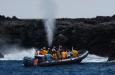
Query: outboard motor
(27,61)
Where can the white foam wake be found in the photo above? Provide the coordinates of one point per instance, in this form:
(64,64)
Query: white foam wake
(18,55)
(112,61)
(94,58)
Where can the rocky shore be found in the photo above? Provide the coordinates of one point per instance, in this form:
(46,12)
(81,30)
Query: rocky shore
(95,34)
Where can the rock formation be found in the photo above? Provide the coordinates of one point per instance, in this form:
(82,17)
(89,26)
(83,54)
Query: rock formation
(94,34)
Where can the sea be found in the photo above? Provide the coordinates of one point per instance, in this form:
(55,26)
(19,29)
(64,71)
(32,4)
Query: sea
(12,64)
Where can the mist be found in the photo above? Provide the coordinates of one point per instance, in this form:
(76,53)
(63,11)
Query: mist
(48,10)
(15,52)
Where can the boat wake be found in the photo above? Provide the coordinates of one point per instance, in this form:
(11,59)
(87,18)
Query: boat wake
(19,55)
(94,58)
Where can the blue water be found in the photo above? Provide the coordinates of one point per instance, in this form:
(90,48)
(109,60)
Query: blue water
(17,68)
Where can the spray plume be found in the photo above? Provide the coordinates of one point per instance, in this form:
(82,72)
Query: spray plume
(48,8)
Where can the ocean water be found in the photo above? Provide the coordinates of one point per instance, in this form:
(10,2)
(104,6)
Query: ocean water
(12,64)
(15,67)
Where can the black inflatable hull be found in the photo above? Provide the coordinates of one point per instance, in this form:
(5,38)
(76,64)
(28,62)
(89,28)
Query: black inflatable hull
(29,61)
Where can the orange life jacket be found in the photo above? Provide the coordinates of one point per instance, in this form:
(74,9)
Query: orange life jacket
(43,52)
(64,55)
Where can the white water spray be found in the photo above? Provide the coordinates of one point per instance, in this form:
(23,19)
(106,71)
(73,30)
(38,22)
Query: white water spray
(94,58)
(16,54)
(48,8)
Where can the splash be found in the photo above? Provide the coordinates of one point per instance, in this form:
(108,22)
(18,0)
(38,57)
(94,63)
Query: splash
(94,58)
(19,55)
(48,8)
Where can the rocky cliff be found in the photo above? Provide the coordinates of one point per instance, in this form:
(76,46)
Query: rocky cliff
(95,34)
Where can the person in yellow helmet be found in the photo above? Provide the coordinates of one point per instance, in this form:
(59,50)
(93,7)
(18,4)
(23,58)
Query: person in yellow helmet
(74,53)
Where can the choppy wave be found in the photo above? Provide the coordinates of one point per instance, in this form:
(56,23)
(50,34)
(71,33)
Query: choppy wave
(19,55)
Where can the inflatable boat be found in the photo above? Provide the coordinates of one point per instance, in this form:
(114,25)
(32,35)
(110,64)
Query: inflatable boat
(27,61)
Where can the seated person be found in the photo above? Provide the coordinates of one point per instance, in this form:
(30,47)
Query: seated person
(74,53)
(49,51)
(48,57)
(36,57)
(54,54)
(69,54)
(43,51)
(64,54)
(42,54)
(59,53)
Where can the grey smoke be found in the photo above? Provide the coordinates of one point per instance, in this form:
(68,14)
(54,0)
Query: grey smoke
(48,8)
